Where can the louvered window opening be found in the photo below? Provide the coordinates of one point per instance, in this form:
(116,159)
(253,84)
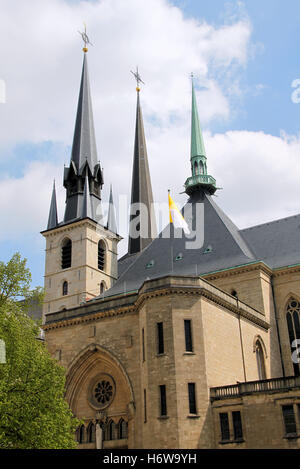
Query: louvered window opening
(66,259)
(101,256)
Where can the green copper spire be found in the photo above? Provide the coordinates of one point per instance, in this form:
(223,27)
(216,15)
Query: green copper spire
(197,144)
(200,180)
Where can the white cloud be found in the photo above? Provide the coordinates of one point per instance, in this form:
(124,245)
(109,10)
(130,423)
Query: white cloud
(41,66)
(25,201)
(259,174)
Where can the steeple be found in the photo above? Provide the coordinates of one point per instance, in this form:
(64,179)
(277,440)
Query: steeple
(200,178)
(111,218)
(84,159)
(142,228)
(52,219)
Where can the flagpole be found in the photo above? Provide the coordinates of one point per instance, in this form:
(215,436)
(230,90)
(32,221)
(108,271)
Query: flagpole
(171,235)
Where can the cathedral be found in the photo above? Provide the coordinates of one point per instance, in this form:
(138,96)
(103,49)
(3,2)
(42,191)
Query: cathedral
(177,344)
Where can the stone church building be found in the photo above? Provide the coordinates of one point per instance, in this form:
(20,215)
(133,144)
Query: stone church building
(171,346)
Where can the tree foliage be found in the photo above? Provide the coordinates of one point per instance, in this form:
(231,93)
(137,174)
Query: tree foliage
(33,412)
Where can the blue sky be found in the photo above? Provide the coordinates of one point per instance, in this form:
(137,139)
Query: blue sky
(275,31)
(251,127)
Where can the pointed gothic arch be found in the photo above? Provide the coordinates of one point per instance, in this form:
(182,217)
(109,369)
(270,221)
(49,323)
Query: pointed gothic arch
(292,314)
(91,433)
(82,375)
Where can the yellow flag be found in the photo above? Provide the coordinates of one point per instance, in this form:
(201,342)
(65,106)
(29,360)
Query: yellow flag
(176,217)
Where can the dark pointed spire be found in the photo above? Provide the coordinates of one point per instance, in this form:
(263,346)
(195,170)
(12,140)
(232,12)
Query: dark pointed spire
(84,148)
(52,219)
(111,218)
(141,191)
(86,205)
(84,160)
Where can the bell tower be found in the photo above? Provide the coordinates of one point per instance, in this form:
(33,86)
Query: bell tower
(81,253)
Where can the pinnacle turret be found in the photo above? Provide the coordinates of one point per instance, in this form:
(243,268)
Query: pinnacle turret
(111,218)
(52,219)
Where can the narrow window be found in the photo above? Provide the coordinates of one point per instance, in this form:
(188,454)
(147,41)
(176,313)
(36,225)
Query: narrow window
(91,434)
(81,434)
(143,344)
(122,429)
(188,335)
(192,398)
(224,423)
(112,430)
(289,419)
(102,288)
(101,255)
(237,425)
(260,360)
(196,169)
(293,325)
(65,288)
(201,167)
(163,400)
(66,254)
(145,406)
(160,337)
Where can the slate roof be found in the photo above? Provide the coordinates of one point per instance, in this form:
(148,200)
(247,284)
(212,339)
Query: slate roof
(277,244)
(223,247)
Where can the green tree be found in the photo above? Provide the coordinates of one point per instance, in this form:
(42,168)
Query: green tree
(33,412)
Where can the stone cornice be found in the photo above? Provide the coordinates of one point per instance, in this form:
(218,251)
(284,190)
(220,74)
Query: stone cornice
(76,223)
(166,286)
(261,266)
(279,272)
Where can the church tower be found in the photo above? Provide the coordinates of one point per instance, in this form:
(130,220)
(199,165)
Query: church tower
(81,253)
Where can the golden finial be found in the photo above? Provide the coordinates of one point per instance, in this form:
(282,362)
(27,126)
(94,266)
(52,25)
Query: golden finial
(138,79)
(85,39)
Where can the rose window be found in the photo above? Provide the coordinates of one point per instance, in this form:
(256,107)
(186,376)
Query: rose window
(103,392)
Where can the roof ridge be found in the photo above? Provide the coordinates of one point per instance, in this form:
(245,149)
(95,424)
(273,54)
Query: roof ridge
(270,222)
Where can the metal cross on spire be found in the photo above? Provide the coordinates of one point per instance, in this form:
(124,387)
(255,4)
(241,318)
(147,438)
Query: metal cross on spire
(85,39)
(138,78)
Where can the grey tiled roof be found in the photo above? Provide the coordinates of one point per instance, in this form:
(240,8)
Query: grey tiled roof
(223,247)
(277,243)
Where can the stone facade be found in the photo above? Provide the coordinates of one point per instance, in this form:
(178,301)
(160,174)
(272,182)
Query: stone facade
(83,277)
(118,338)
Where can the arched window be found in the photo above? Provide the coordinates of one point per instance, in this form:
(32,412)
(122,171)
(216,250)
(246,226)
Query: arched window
(102,287)
(260,360)
(112,431)
(91,433)
(66,254)
(65,288)
(293,325)
(201,167)
(196,168)
(122,429)
(101,255)
(80,434)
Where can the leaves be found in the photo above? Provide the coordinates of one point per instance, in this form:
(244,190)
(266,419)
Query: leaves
(33,412)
